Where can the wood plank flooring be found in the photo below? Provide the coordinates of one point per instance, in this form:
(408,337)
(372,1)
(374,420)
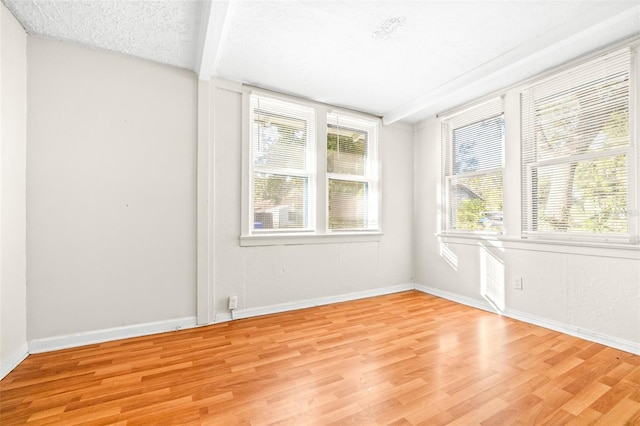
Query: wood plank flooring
(401,359)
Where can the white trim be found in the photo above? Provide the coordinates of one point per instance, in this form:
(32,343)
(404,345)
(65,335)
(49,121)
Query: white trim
(247,164)
(229,85)
(633,195)
(463,109)
(109,334)
(104,335)
(592,336)
(326,108)
(335,237)
(11,361)
(583,248)
(464,300)
(211,184)
(321,186)
(205,206)
(204,58)
(214,26)
(512,218)
(310,303)
(612,152)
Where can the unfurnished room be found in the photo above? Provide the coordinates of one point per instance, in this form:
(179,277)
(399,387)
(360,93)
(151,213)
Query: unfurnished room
(233,212)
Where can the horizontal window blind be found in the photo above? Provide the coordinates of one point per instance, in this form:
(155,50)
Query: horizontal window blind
(576,151)
(352,173)
(282,143)
(473,141)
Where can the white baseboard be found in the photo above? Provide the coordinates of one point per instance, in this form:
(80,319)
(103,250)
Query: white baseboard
(592,336)
(108,334)
(485,306)
(12,360)
(310,303)
(99,336)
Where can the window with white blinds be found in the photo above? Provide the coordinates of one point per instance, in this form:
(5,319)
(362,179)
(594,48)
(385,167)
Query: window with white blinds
(295,186)
(473,144)
(282,150)
(577,154)
(352,175)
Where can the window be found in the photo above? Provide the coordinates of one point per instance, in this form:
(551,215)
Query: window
(352,173)
(577,154)
(473,141)
(282,165)
(298,188)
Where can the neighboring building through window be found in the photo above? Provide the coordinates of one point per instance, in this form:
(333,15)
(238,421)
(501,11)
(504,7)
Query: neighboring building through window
(577,153)
(473,141)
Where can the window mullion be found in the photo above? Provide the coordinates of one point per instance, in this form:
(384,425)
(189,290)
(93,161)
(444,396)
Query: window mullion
(581,157)
(282,171)
(479,173)
(322,182)
(350,178)
(633,160)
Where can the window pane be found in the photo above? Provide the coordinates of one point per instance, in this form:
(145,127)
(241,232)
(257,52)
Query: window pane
(279,141)
(348,204)
(476,203)
(576,148)
(587,196)
(592,117)
(478,146)
(280,201)
(346,150)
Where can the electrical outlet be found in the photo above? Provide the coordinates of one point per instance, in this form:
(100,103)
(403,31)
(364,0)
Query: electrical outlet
(233,302)
(517,283)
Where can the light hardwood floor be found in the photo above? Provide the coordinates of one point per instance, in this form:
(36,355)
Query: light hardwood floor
(406,358)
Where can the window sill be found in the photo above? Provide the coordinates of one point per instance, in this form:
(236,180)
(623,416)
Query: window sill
(298,239)
(622,251)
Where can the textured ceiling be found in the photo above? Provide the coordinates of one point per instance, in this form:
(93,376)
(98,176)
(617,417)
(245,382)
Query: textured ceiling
(163,31)
(333,51)
(403,60)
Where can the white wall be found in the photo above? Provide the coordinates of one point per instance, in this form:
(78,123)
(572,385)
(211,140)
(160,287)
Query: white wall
(110,190)
(111,187)
(592,292)
(13,142)
(280,277)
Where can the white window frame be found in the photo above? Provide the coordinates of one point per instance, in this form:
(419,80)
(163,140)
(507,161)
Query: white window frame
(370,177)
(514,189)
(317,232)
(631,153)
(449,123)
(299,112)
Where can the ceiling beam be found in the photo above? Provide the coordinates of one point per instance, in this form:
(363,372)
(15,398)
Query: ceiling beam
(532,58)
(214,24)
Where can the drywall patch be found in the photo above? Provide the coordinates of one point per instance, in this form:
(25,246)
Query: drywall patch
(389,28)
